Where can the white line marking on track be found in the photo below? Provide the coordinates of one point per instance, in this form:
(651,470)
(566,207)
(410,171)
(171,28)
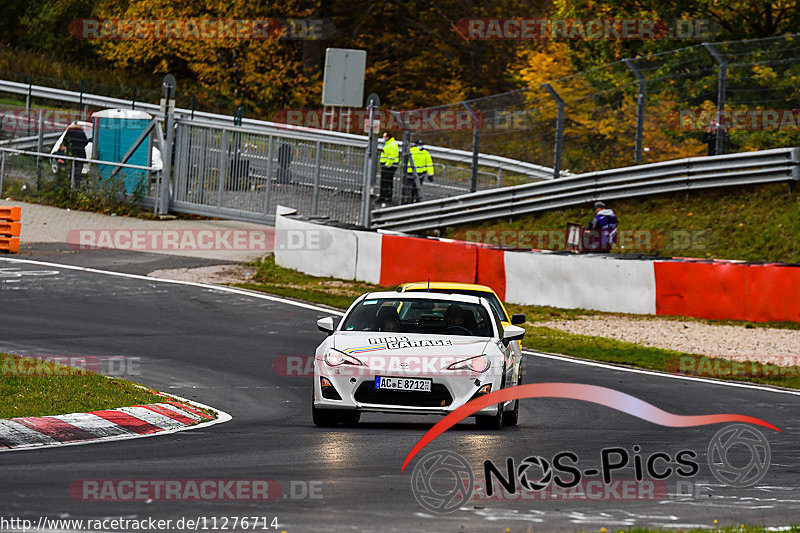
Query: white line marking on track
(220,288)
(313,307)
(574,360)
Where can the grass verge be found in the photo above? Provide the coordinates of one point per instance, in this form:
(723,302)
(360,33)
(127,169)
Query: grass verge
(32,387)
(281,281)
(757,223)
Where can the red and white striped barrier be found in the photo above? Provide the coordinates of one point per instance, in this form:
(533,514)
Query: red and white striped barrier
(111,424)
(727,290)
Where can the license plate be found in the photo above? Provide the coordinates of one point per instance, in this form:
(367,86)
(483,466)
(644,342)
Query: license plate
(406,384)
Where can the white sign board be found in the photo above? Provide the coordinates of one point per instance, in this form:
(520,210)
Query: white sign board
(343,80)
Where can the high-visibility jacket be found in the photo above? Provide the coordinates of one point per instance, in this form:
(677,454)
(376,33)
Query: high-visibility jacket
(390,155)
(422,161)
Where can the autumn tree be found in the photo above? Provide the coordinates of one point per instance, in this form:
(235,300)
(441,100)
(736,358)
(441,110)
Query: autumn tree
(261,71)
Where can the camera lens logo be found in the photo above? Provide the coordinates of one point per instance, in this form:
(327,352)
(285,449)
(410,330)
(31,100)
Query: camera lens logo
(442,481)
(540,463)
(739,455)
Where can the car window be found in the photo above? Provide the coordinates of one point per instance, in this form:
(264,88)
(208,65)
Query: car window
(410,315)
(490,296)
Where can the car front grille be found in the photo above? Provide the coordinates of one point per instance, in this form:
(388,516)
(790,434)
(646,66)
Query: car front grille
(438,397)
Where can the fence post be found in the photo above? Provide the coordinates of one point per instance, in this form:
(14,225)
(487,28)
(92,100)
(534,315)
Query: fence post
(39,146)
(476,142)
(168,90)
(721,86)
(28,101)
(268,180)
(80,98)
(373,105)
(640,94)
(559,130)
(315,192)
(223,166)
(133,97)
(2,169)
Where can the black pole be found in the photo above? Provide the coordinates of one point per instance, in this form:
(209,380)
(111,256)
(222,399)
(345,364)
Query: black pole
(476,142)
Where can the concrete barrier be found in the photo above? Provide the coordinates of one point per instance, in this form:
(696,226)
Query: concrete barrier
(716,290)
(728,291)
(315,249)
(580,282)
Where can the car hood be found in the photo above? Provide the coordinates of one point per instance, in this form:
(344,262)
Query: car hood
(404,344)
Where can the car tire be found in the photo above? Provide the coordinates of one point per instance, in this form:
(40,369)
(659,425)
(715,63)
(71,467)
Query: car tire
(511,418)
(493,421)
(326,418)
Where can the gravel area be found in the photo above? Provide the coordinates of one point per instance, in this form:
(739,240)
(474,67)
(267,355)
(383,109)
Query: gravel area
(767,345)
(217,274)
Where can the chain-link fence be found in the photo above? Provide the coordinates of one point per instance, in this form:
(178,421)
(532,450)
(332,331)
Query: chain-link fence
(249,173)
(72,181)
(700,100)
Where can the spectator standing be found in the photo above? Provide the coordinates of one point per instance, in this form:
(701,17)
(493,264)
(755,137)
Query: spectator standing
(605,224)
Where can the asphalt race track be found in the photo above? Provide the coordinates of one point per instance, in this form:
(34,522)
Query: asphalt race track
(219,348)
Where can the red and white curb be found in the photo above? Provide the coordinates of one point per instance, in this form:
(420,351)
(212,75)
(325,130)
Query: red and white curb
(110,424)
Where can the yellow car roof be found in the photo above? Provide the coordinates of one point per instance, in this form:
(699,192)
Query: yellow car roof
(445,285)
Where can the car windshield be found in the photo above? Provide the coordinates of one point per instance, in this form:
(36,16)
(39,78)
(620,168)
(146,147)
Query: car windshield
(412,315)
(490,296)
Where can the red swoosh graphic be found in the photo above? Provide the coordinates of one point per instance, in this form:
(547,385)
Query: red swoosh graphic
(576,391)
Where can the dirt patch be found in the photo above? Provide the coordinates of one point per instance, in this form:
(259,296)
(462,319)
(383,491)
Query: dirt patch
(767,345)
(216,275)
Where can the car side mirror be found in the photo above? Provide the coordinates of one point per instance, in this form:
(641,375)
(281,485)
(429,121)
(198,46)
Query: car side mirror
(325,325)
(512,333)
(517,319)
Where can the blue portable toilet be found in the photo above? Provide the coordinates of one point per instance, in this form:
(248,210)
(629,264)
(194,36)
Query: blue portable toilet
(115,131)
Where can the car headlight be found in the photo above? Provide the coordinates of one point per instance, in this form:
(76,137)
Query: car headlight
(338,358)
(479,364)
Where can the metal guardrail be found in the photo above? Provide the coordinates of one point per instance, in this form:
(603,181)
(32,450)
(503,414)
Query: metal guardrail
(748,168)
(446,154)
(29,143)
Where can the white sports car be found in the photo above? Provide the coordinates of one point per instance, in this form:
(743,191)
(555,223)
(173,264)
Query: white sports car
(415,353)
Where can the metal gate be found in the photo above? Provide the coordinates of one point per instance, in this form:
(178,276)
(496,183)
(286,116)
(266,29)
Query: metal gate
(242,173)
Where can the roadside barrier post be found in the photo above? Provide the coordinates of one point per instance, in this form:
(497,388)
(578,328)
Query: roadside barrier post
(10,228)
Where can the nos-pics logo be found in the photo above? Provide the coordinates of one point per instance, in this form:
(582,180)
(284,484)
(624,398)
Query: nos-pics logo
(443,481)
